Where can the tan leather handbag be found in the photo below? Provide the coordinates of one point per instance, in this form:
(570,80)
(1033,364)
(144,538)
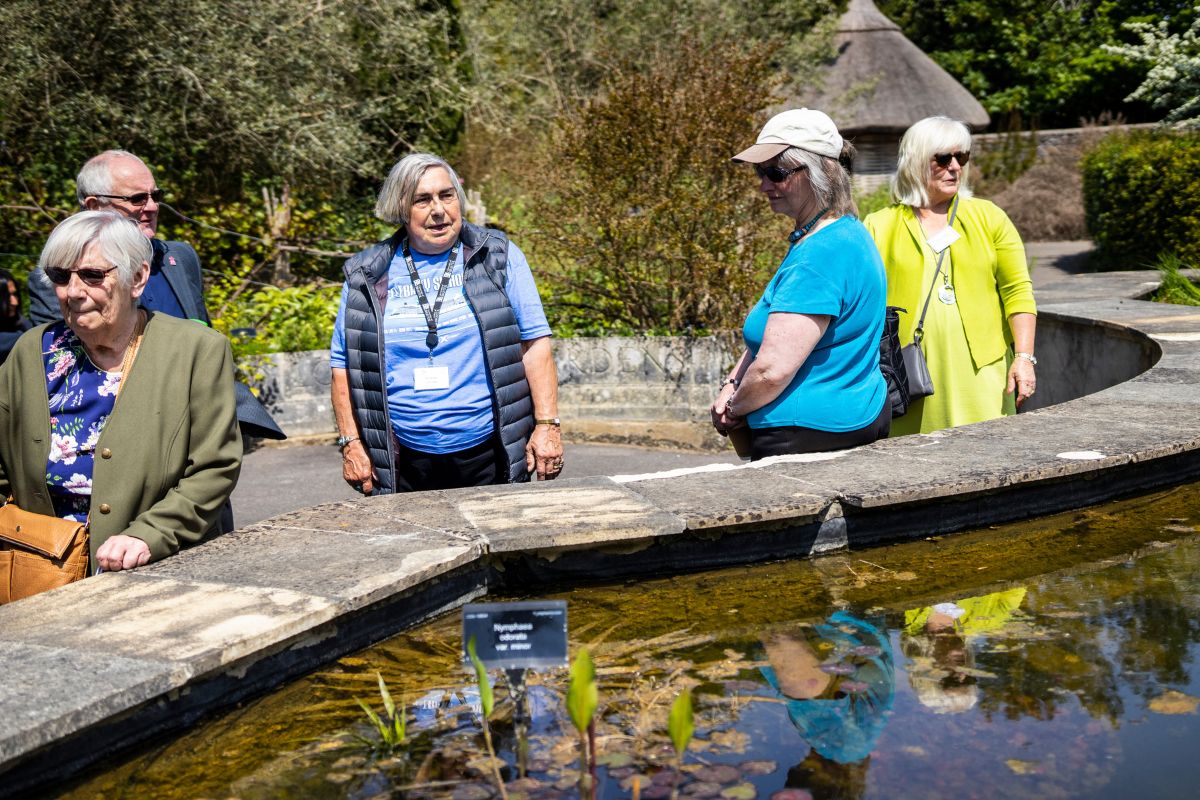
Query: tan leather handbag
(39,552)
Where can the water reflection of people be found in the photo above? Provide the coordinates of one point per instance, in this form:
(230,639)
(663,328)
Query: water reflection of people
(838,680)
(937,641)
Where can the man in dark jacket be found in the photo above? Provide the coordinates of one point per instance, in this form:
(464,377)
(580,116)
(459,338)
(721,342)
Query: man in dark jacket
(119,180)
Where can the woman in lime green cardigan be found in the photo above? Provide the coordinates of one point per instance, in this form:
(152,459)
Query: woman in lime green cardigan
(981,318)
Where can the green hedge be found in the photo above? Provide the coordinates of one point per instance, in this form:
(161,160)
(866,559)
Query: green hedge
(1141,196)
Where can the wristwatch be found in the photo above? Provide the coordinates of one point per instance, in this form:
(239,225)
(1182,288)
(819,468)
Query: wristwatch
(1027,356)
(555,421)
(342,441)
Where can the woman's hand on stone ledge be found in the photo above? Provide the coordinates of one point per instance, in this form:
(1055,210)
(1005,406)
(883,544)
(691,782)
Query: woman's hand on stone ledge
(122,552)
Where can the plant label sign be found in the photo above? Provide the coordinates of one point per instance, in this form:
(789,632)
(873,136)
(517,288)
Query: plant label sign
(517,635)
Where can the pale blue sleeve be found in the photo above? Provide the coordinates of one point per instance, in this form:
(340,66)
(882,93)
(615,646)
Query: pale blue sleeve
(337,345)
(523,295)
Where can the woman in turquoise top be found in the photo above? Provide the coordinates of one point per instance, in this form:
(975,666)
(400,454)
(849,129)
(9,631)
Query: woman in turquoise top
(979,328)
(809,379)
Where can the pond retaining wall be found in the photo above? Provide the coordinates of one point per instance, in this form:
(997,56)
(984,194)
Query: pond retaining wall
(97,667)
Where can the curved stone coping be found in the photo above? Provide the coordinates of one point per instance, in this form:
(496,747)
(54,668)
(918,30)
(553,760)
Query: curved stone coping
(117,659)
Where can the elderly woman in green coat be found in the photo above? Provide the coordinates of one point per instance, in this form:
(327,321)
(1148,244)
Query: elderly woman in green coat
(115,415)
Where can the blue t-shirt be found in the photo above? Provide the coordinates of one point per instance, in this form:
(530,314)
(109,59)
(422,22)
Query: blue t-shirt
(837,272)
(458,417)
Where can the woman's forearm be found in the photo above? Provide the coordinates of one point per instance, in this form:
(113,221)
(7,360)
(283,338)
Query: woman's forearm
(787,342)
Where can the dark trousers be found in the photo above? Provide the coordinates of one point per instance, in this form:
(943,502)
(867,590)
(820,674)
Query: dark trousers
(475,466)
(790,440)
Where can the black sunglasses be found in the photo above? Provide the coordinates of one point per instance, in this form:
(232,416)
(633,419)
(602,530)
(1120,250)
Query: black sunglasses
(92,276)
(139,199)
(943,159)
(775,173)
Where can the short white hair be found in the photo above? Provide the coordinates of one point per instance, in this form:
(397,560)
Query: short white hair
(396,195)
(914,168)
(95,178)
(119,238)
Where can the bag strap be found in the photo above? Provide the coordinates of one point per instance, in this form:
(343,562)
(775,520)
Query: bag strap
(919,333)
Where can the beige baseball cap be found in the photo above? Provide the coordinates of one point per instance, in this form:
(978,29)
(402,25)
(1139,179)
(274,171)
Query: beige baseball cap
(800,127)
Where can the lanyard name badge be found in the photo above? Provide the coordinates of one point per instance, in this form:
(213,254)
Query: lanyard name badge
(940,241)
(430,377)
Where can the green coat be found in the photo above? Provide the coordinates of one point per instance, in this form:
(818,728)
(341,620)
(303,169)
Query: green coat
(169,455)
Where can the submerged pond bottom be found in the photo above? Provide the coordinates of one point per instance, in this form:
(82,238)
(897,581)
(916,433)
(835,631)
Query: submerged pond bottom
(1054,659)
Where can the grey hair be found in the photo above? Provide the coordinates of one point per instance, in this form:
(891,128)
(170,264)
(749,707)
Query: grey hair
(914,168)
(397,193)
(119,238)
(95,178)
(829,179)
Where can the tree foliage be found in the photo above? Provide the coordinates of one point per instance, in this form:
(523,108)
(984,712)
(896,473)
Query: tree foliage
(645,223)
(1173,82)
(1043,59)
(309,92)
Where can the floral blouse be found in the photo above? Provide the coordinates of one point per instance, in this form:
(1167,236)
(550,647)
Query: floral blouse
(81,400)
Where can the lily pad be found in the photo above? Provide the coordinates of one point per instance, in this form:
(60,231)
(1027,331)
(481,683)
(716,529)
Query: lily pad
(758,767)
(718,773)
(615,760)
(792,794)
(1173,702)
(743,791)
(702,789)
(1024,767)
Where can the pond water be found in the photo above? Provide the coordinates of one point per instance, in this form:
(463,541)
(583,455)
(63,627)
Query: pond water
(1053,659)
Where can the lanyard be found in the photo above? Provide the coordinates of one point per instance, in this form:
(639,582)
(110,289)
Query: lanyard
(431,314)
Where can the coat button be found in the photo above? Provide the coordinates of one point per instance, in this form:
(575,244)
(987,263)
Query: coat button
(106,453)
(105,508)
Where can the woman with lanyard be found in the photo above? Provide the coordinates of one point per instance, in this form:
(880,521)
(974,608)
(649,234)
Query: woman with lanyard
(443,375)
(958,264)
(809,379)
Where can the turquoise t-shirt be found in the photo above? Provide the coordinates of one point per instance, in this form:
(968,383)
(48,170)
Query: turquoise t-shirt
(837,272)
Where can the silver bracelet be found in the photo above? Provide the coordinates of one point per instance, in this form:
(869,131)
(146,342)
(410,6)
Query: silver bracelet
(1027,356)
(729,381)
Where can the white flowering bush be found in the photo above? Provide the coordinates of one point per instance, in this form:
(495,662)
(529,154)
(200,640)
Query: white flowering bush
(1173,82)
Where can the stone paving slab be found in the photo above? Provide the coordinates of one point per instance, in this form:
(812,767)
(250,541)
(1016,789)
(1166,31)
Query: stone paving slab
(200,626)
(581,514)
(741,497)
(45,698)
(357,568)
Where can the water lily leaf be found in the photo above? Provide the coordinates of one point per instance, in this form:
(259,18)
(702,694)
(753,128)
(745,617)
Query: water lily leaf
(1173,702)
(701,789)
(615,760)
(733,740)
(743,791)
(758,767)
(582,695)
(718,773)
(681,724)
(1023,767)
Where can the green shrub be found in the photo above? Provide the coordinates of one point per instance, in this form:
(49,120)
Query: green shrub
(283,320)
(1141,196)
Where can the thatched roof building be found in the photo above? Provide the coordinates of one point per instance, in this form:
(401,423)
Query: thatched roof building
(879,84)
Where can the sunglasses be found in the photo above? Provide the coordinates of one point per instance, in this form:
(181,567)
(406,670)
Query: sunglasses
(775,173)
(943,159)
(139,199)
(92,276)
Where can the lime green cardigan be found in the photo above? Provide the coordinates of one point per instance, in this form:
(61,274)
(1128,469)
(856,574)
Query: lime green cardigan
(991,278)
(169,455)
